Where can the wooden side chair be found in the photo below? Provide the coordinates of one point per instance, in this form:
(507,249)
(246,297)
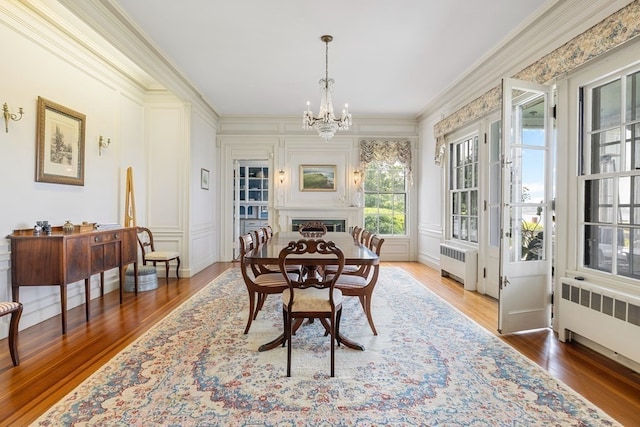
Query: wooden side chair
(15,310)
(361,285)
(311,296)
(149,254)
(259,286)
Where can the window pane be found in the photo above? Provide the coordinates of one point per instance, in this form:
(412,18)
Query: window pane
(371,180)
(455,227)
(633,97)
(473,204)
(456,203)
(464,205)
(599,200)
(632,147)
(605,152)
(468,176)
(473,229)
(398,181)
(624,199)
(459,178)
(631,248)
(598,247)
(606,105)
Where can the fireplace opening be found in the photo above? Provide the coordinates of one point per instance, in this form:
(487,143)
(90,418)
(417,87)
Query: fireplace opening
(331,224)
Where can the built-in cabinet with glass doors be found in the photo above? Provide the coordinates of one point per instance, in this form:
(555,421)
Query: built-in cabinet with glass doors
(252,195)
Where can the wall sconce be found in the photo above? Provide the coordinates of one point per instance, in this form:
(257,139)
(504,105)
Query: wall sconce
(356,177)
(281,175)
(102,144)
(9,116)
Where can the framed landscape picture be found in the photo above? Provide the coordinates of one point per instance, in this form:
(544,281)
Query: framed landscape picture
(59,144)
(317,178)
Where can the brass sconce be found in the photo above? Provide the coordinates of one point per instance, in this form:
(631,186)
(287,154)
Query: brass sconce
(281,175)
(356,177)
(102,144)
(10,116)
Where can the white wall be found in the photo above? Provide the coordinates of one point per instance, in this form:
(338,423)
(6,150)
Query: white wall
(152,131)
(283,142)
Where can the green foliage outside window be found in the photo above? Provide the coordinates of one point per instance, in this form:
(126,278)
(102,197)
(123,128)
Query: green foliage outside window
(385,199)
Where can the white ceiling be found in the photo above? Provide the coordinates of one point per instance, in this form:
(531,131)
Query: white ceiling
(261,57)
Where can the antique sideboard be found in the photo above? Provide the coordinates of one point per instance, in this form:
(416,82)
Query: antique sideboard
(62,258)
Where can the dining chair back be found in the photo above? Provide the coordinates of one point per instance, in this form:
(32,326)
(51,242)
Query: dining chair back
(312,295)
(356,233)
(361,285)
(150,254)
(365,237)
(258,285)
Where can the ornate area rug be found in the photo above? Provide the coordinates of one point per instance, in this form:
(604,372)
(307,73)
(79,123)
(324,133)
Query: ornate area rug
(429,365)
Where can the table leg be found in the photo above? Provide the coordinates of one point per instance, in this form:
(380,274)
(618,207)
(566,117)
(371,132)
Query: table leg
(279,340)
(63,303)
(87,297)
(102,283)
(342,339)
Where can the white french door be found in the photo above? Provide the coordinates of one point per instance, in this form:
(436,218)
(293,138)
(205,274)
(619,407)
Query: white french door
(525,244)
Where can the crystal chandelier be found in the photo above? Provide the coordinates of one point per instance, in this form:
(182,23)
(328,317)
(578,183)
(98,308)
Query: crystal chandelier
(326,123)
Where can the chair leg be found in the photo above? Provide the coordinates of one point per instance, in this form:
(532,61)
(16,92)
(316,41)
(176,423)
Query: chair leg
(288,338)
(333,343)
(166,268)
(178,268)
(252,299)
(367,311)
(13,335)
(261,299)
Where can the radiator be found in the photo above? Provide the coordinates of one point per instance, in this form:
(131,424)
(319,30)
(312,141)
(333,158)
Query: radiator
(459,263)
(605,316)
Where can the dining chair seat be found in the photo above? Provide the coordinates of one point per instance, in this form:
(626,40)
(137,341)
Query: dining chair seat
(312,300)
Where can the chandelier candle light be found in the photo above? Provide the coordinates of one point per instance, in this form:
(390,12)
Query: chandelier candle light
(326,123)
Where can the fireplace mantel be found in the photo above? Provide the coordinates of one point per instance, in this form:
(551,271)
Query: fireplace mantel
(352,215)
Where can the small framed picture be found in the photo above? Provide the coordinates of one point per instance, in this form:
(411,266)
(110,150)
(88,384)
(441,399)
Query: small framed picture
(204,179)
(59,144)
(317,178)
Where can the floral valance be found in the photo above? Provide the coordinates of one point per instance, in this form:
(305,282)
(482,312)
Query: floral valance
(392,152)
(611,32)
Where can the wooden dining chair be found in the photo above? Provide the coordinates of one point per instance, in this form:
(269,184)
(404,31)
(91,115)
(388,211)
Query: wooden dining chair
(259,286)
(312,296)
(352,268)
(361,285)
(356,233)
(15,310)
(150,254)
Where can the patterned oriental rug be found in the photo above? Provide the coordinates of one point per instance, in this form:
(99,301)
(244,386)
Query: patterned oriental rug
(429,365)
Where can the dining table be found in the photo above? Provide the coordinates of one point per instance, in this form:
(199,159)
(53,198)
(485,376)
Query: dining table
(354,254)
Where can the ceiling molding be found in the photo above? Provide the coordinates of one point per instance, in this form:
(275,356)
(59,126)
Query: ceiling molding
(561,21)
(110,22)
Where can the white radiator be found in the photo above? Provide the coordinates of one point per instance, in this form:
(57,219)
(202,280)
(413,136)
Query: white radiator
(459,263)
(605,316)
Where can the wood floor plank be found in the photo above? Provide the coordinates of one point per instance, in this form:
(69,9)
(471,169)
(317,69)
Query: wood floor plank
(52,365)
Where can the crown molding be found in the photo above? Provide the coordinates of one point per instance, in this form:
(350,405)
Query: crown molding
(557,22)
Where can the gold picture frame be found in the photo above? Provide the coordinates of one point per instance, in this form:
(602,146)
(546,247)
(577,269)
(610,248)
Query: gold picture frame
(317,178)
(59,144)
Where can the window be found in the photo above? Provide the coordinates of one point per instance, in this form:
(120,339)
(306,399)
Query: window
(610,175)
(387,172)
(463,190)
(385,198)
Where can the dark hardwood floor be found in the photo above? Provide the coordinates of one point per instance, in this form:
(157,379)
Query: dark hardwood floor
(52,364)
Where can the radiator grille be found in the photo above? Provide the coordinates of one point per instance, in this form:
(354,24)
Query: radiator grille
(459,263)
(610,306)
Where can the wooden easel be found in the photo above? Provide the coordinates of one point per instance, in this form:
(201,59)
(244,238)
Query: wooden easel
(130,202)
